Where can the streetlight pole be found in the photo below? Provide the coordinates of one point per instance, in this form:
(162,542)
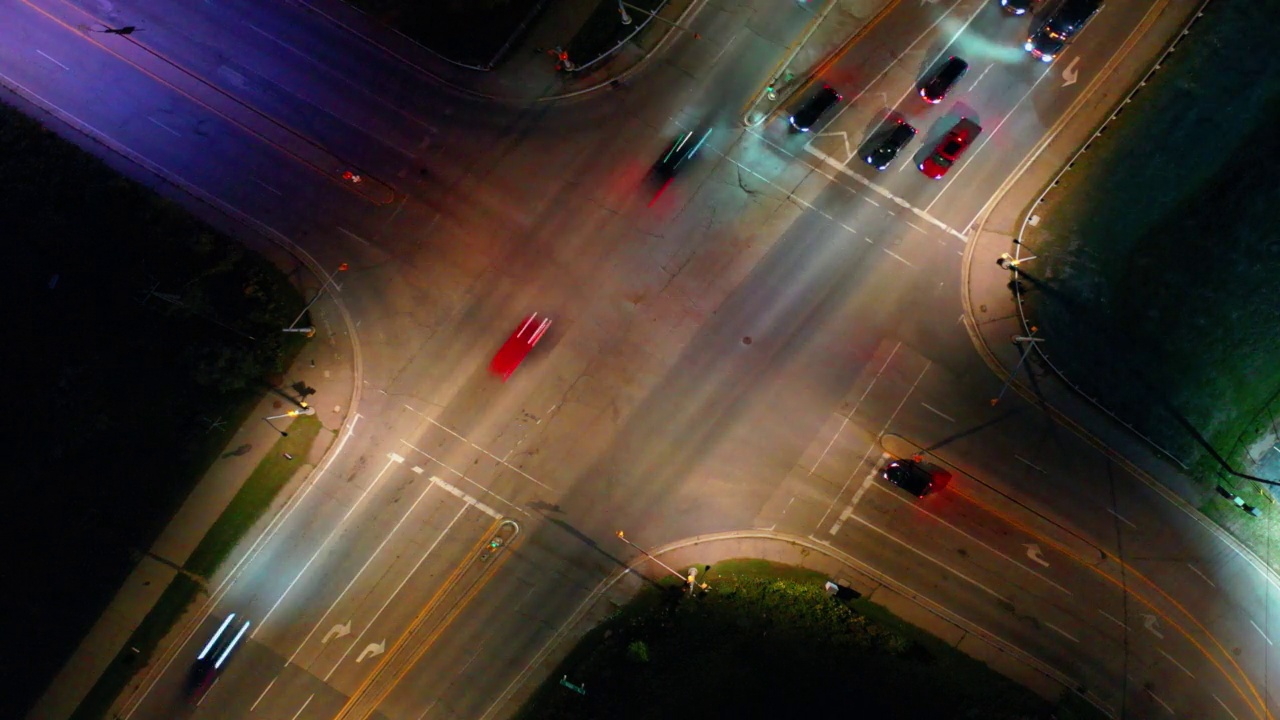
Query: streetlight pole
(342,267)
(1008,261)
(1030,343)
(273,427)
(689,579)
(622,10)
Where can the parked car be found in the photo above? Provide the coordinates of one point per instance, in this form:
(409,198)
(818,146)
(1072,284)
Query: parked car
(885,145)
(916,478)
(808,114)
(1050,37)
(936,86)
(683,148)
(952,146)
(517,347)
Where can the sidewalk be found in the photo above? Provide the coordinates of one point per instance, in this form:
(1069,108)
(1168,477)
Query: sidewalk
(993,312)
(699,551)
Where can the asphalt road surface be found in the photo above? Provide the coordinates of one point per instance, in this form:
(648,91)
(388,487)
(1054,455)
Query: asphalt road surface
(741,348)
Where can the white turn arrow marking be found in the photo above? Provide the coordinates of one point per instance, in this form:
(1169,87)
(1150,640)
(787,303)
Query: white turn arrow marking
(1071,74)
(1149,622)
(372,650)
(336,631)
(1033,552)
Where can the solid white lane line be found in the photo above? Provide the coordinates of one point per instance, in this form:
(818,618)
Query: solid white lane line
(1157,697)
(356,642)
(332,533)
(162,126)
(50,59)
(937,412)
(263,693)
(1175,662)
(1264,635)
(844,420)
(1122,519)
(1224,707)
(898,257)
(716,59)
(1206,579)
(267,186)
(304,707)
(934,560)
(320,623)
(1062,632)
(1030,464)
(1112,619)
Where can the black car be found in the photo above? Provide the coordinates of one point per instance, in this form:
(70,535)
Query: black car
(1066,21)
(934,87)
(915,478)
(809,113)
(683,148)
(884,147)
(210,660)
(1016,7)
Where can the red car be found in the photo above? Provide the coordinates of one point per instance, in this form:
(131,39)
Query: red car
(958,139)
(514,350)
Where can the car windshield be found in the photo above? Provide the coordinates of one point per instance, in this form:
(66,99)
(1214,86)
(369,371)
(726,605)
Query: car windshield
(942,161)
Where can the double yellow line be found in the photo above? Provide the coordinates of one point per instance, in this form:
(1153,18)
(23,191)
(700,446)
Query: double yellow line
(366,699)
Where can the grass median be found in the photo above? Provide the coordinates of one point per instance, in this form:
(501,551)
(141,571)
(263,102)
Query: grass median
(768,641)
(246,508)
(255,497)
(1156,252)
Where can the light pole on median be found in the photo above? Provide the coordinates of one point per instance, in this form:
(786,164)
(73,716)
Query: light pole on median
(273,427)
(689,579)
(342,267)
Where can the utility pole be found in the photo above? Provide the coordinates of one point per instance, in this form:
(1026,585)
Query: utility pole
(342,267)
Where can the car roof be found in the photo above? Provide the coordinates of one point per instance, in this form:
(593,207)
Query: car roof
(953,67)
(901,131)
(1072,13)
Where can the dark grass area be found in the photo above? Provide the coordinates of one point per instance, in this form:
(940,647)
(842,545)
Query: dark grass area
(471,32)
(604,30)
(109,387)
(1157,256)
(164,615)
(767,641)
